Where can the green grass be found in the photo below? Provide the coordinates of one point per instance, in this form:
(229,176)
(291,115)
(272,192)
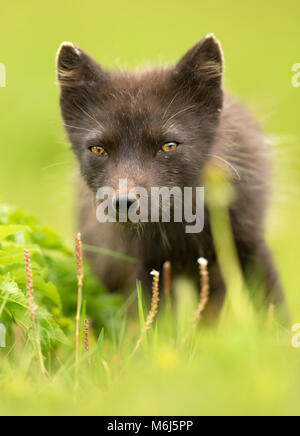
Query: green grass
(240,369)
(232,373)
(247,365)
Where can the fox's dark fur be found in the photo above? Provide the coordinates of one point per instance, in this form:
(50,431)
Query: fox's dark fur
(131,115)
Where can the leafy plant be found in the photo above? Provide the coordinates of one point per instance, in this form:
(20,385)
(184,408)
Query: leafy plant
(54,278)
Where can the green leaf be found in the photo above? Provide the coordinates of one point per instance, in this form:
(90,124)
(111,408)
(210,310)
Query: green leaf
(46,289)
(9,230)
(61,337)
(100,341)
(16,302)
(17,309)
(10,254)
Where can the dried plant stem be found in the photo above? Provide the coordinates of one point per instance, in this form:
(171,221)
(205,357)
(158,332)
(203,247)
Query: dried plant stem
(30,291)
(167,278)
(167,283)
(79,266)
(153,310)
(204,297)
(86,338)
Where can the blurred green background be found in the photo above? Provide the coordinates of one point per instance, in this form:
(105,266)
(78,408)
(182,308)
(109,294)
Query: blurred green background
(261,42)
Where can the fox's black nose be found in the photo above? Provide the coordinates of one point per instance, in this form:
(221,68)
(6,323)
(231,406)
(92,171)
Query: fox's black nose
(122,203)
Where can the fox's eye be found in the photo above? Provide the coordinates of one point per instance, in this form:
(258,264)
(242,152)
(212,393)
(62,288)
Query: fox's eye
(169,146)
(98,150)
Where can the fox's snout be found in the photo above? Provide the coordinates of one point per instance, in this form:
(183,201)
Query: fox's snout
(122,203)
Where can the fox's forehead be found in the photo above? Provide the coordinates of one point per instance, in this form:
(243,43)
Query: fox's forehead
(145,81)
(139,102)
(133,117)
(140,92)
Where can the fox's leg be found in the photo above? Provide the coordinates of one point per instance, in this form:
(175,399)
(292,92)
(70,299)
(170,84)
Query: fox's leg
(116,274)
(261,275)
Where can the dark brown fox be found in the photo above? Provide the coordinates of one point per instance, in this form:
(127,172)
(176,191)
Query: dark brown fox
(160,128)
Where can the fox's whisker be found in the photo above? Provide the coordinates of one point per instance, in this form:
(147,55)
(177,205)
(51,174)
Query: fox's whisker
(53,165)
(234,169)
(178,113)
(79,128)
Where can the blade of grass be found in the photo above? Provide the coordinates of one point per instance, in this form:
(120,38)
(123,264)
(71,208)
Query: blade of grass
(141,312)
(107,252)
(220,196)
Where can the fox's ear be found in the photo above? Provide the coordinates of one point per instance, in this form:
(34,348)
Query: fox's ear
(79,77)
(75,68)
(200,72)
